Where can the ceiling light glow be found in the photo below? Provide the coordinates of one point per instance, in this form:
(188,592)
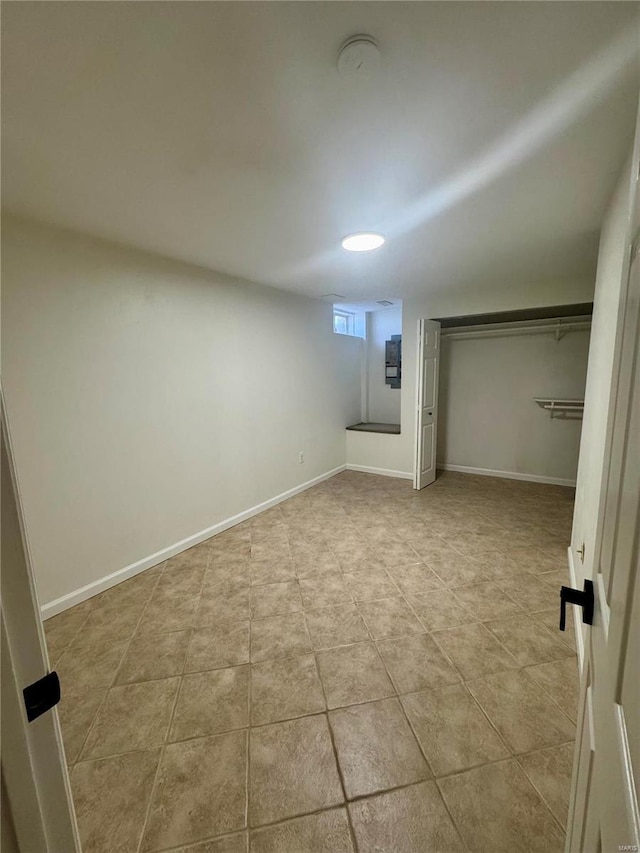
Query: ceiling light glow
(362,241)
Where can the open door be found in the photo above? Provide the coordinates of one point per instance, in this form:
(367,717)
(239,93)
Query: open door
(36,796)
(427,402)
(604,816)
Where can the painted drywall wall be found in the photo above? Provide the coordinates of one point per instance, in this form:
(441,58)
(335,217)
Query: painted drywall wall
(603,357)
(454,303)
(487,417)
(383,402)
(376,453)
(149,400)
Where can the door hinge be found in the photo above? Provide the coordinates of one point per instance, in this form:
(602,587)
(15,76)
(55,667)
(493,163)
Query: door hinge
(42,695)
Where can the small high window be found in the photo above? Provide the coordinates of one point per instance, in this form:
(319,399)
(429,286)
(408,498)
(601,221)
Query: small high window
(344,322)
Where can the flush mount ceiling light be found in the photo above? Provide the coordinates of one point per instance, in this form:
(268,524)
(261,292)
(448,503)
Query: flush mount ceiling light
(362,241)
(359,57)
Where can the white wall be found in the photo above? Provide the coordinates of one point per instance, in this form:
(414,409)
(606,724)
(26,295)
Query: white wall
(377,453)
(602,359)
(383,401)
(452,303)
(149,400)
(487,417)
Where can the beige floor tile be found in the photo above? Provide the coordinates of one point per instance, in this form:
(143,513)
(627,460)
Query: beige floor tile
(279,637)
(358,558)
(433,548)
(524,715)
(452,730)
(415,579)
(376,748)
(335,626)
(197,556)
(226,644)
(133,716)
(367,585)
(561,681)
(234,576)
(458,571)
(201,791)
(474,650)
(439,608)
(486,601)
(136,590)
(411,820)
(324,591)
(509,557)
(271,571)
(88,667)
(528,641)
(323,563)
(153,658)
(163,615)
(549,771)
(292,770)
(326,832)
(530,592)
(60,630)
(550,617)
(236,843)
(498,565)
(275,599)
(111,797)
(535,561)
(77,710)
(496,809)
(211,702)
(389,617)
(186,580)
(397,553)
(416,663)
(556,578)
(108,624)
(214,610)
(282,689)
(352,674)
(270,549)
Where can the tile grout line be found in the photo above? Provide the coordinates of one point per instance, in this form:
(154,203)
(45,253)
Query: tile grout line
(117,671)
(164,745)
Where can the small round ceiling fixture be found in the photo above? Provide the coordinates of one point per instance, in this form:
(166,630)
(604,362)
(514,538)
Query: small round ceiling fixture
(362,241)
(359,57)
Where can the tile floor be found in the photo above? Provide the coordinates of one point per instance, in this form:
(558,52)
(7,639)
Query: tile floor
(362,668)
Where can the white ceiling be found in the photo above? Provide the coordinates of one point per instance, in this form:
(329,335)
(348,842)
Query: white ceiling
(222,134)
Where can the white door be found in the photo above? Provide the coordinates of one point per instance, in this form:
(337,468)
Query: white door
(604,815)
(37,807)
(427,402)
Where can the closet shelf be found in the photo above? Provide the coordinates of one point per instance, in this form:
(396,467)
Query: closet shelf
(561,407)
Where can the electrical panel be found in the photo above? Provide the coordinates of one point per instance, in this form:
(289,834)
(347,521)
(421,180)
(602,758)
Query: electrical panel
(393,361)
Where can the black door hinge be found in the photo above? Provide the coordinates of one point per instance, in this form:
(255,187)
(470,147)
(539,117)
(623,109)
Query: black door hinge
(42,695)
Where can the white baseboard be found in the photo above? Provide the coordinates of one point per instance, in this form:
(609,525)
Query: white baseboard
(507,475)
(384,472)
(91,589)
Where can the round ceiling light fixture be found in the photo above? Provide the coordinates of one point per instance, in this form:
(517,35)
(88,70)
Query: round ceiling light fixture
(359,57)
(362,241)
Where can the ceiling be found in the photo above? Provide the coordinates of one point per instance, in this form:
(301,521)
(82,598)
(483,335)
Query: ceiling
(485,147)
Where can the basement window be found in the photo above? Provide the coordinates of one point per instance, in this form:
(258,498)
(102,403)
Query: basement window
(344,322)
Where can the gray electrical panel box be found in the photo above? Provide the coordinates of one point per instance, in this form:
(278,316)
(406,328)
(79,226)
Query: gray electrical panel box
(393,361)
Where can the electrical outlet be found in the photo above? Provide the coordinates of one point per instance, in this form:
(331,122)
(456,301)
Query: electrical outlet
(301,457)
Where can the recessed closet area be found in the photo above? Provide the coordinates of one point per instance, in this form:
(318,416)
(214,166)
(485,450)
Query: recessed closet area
(510,393)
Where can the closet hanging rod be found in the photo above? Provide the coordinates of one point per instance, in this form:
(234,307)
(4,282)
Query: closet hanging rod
(559,329)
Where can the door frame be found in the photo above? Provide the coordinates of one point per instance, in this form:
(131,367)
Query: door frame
(35,780)
(417,454)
